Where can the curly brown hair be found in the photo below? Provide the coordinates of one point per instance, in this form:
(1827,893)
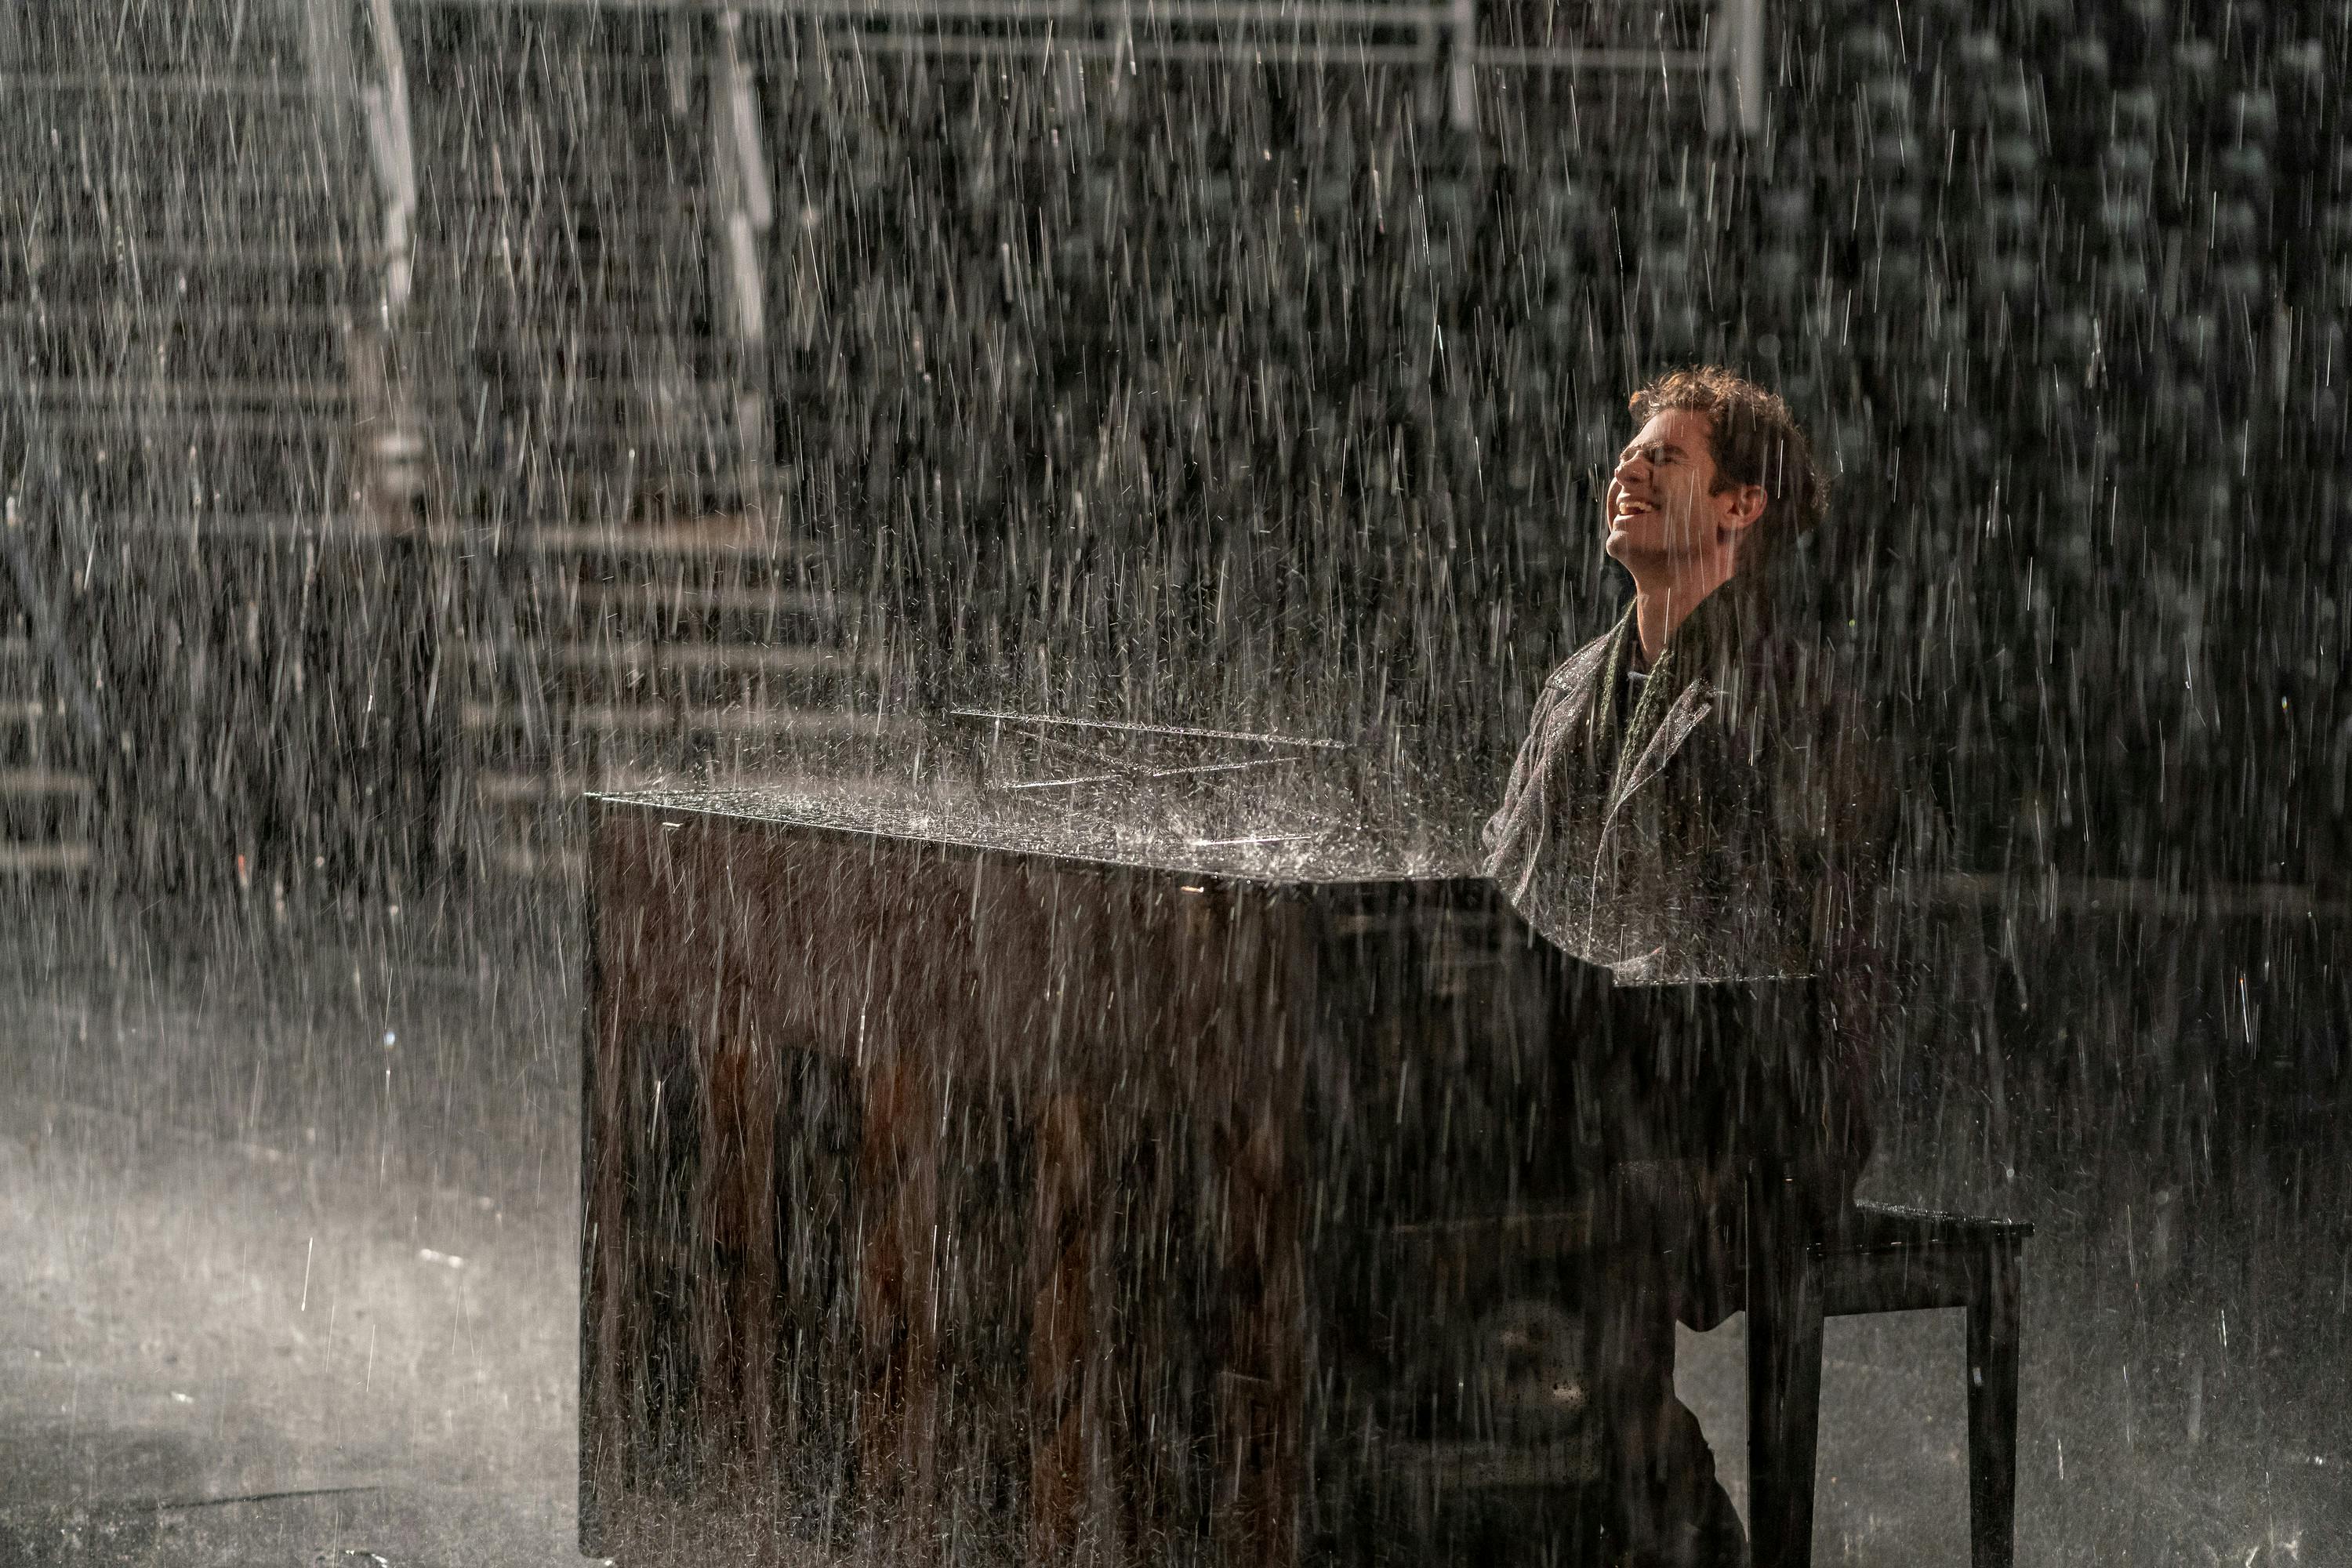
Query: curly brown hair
(1753,440)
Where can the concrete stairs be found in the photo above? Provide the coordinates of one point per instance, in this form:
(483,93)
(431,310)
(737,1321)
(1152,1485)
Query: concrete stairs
(190,250)
(636,607)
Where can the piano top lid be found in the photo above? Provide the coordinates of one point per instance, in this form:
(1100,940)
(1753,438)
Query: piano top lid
(1307,841)
(998,719)
(1146,764)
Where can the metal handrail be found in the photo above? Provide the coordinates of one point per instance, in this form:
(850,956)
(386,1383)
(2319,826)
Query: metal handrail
(1129,12)
(748,212)
(1509,57)
(1203,51)
(742,105)
(1446,36)
(1737,66)
(394,147)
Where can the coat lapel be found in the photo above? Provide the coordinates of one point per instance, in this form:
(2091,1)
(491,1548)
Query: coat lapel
(1691,707)
(1691,667)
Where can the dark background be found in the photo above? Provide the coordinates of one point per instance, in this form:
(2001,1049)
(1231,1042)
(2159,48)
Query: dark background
(1244,395)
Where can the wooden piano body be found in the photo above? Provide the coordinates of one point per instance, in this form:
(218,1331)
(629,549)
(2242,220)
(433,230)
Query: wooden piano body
(1045,1193)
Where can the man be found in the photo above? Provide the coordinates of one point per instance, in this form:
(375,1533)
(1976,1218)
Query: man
(1697,809)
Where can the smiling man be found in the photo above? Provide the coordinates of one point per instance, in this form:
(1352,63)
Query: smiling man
(1698,809)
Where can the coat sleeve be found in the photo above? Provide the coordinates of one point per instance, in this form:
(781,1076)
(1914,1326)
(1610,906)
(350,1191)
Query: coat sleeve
(1514,835)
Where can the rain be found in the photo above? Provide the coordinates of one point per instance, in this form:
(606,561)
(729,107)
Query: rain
(756,776)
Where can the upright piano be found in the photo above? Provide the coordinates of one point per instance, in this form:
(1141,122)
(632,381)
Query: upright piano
(1057,1162)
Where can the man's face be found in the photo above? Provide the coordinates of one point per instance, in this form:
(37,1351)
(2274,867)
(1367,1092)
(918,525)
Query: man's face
(1662,504)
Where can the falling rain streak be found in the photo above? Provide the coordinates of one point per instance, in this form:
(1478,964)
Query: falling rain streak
(1164,439)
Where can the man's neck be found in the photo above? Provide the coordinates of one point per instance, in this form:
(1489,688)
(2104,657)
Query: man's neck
(1663,601)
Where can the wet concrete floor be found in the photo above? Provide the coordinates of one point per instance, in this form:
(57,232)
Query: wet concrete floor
(289,1218)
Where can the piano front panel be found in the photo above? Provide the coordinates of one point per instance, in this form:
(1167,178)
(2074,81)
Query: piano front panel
(932,1192)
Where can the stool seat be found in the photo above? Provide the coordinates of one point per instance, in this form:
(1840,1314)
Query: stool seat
(1885,1227)
(1878,1257)
(1888,1259)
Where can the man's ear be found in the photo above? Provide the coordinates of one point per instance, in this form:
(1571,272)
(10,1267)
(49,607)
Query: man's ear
(1743,505)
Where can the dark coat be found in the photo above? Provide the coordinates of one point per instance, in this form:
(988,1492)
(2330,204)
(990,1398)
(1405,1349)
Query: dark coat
(1737,824)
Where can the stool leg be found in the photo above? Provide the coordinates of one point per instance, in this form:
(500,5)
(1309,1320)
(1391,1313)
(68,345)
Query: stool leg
(1784,1389)
(1993,1414)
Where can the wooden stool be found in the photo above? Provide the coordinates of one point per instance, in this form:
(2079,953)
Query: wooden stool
(1880,1260)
